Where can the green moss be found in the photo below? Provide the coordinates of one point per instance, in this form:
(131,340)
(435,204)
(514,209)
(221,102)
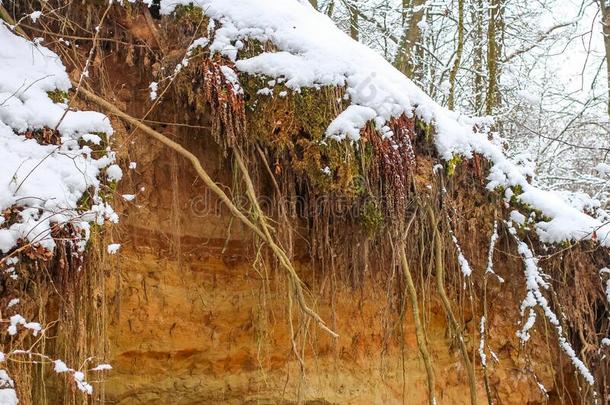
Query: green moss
(452,164)
(58,96)
(425,128)
(371,218)
(189,11)
(85,202)
(531,214)
(499,190)
(296,123)
(97,151)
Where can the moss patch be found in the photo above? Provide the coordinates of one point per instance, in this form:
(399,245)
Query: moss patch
(58,96)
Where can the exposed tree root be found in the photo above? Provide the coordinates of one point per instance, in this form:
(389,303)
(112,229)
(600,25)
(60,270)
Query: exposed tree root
(483,326)
(419,330)
(277,250)
(440,284)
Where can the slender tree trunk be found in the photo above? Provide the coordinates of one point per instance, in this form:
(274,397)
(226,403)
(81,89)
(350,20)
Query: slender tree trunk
(458,55)
(330,8)
(354,24)
(477,16)
(494,50)
(605,10)
(405,60)
(406,6)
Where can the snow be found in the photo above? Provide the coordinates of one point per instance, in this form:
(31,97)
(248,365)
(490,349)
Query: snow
(35,327)
(535,283)
(310,51)
(102,367)
(154,87)
(350,121)
(8,396)
(114,248)
(35,16)
(60,367)
(17,319)
(517,217)
(12,303)
(79,379)
(45,181)
(482,354)
(92,138)
(528,97)
(603,168)
(114,173)
(464,265)
(14,321)
(232,78)
(423,25)
(490,253)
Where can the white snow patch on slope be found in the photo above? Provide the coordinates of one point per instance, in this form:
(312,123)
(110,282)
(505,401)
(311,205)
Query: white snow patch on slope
(47,181)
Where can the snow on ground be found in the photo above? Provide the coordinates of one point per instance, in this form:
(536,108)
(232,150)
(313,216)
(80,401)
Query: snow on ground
(313,52)
(46,181)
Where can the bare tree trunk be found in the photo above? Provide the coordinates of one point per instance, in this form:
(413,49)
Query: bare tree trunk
(458,55)
(330,8)
(404,60)
(605,10)
(494,50)
(477,17)
(354,24)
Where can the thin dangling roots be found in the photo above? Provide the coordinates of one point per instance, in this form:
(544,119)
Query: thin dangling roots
(440,284)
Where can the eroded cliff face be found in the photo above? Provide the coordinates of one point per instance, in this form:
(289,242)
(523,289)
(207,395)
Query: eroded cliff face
(198,313)
(193,309)
(192,321)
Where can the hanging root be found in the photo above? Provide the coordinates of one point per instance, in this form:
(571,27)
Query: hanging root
(262,230)
(485,317)
(277,250)
(440,283)
(419,330)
